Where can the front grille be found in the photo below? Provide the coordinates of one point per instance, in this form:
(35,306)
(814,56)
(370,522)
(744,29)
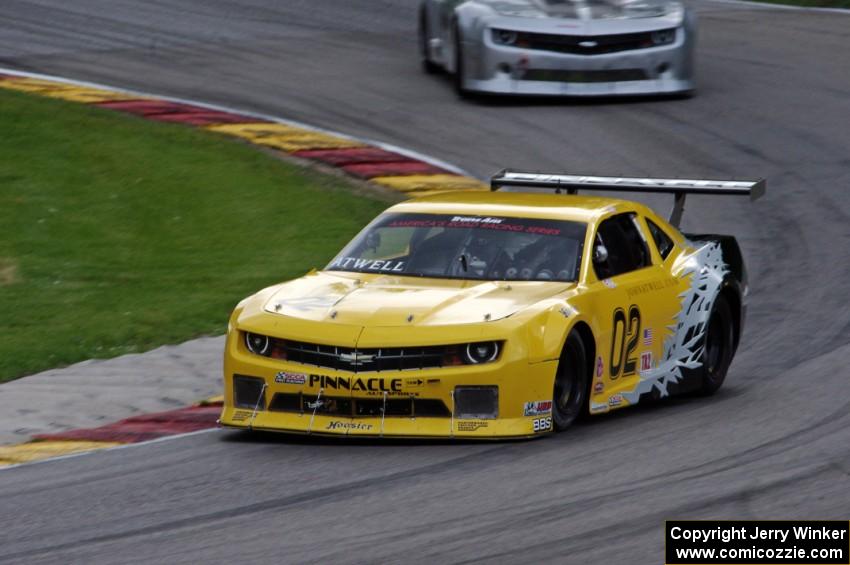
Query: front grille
(586,45)
(556,75)
(348,407)
(362,360)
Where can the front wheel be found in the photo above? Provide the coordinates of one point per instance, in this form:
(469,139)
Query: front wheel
(459,70)
(427,65)
(571,383)
(719,346)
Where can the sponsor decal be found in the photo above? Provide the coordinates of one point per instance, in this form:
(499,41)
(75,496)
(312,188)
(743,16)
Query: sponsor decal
(598,388)
(414,382)
(490,223)
(356,358)
(306,303)
(645,361)
(475,220)
(609,283)
(597,408)
(542,425)
(290,378)
(471,426)
(567,311)
(615,400)
(336,425)
(538,408)
(241,416)
(520,68)
(374,384)
(600,366)
(379,265)
(647,337)
(652,286)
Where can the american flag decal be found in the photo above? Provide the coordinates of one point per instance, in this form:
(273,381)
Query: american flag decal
(647,337)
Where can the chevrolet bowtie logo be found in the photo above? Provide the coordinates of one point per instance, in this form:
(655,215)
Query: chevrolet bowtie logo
(356,358)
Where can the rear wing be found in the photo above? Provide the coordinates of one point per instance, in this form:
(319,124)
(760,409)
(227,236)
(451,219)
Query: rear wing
(679,188)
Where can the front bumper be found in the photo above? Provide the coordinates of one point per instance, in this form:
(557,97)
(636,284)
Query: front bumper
(499,69)
(518,381)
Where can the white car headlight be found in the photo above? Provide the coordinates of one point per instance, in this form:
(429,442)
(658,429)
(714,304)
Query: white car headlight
(504,36)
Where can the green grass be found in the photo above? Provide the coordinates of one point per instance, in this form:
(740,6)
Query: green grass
(119,235)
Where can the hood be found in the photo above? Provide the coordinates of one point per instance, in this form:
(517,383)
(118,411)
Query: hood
(387,301)
(581,9)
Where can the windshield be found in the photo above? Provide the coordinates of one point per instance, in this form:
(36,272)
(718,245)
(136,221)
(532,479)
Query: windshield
(466,247)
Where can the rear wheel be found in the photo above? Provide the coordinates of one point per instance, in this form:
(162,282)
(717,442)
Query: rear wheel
(571,383)
(719,346)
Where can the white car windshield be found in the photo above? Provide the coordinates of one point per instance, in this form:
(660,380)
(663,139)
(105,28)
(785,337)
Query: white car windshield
(466,247)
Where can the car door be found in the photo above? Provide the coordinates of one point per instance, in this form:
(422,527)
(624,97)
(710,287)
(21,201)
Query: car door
(629,284)
(664,295)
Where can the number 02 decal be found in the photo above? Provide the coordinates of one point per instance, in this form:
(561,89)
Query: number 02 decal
(624,340)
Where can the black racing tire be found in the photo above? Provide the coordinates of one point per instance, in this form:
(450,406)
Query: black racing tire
(457,78)
(572,382)
(718,346)
(428,66)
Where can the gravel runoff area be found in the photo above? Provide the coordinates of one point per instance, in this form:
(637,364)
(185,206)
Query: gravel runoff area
(94,393)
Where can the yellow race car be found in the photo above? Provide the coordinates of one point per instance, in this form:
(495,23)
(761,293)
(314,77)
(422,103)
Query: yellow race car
(493,315)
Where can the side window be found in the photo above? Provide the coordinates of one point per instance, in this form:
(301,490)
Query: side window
(662,240)
(619,247)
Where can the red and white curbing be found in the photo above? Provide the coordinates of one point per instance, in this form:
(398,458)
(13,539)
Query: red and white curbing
(382,164)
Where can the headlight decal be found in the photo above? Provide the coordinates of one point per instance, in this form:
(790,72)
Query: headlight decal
(482,352)
(663,37)
(258,344)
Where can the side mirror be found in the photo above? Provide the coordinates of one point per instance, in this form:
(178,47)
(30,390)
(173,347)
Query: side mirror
(600,254)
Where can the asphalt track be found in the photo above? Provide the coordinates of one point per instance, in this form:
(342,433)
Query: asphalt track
(774,101)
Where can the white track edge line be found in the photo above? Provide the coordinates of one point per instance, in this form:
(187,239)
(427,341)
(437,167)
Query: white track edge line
(105,449)
(268,117)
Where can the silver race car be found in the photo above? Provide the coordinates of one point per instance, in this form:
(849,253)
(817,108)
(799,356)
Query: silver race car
(562,47)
